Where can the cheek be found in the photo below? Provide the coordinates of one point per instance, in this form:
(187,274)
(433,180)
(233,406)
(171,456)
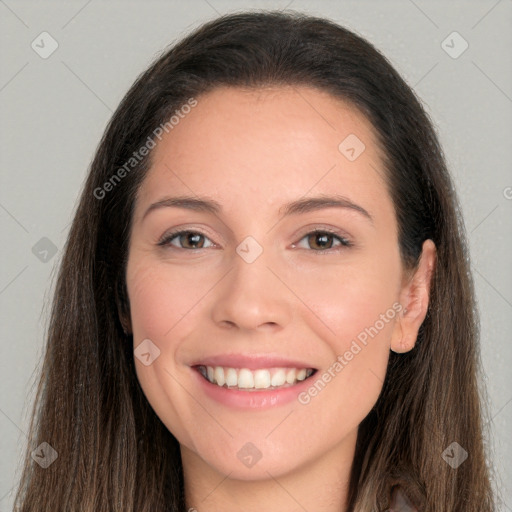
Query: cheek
(360,313)
(349,299)
(158,300)
(354,308)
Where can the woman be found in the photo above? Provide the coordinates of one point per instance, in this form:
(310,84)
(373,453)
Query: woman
(265,299)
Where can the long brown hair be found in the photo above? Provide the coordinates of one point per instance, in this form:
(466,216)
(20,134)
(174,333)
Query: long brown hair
(114,453)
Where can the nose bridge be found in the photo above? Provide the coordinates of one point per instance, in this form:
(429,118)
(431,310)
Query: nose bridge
(251,295)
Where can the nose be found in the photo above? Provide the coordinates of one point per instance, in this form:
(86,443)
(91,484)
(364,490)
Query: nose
(252,296)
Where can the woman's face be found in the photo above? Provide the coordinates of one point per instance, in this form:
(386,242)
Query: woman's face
(252,292)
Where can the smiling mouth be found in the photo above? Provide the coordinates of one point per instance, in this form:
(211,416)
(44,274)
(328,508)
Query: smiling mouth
(262,379)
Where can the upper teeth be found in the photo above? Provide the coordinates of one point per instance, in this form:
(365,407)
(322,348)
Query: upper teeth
(244,378)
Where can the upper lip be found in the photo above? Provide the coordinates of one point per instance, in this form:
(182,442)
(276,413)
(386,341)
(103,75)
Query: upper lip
(251,362)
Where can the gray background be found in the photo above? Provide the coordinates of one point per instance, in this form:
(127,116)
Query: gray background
(54,111)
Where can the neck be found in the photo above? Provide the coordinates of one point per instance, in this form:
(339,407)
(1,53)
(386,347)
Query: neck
(320,484)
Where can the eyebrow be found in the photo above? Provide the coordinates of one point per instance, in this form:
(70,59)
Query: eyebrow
(297,207)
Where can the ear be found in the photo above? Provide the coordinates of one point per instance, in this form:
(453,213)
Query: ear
(414,297)
(123,308)
(126,323)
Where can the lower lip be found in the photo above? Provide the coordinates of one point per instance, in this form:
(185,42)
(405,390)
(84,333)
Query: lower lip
(259,399)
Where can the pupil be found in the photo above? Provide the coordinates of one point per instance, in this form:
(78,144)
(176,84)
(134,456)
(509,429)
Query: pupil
(191,236)
(322,236)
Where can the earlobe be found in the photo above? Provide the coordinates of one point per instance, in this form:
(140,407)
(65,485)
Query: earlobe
(415,300)
(124,318)
(123,310)
(126,324)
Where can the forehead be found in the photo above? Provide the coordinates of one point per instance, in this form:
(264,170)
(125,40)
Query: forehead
(254,147)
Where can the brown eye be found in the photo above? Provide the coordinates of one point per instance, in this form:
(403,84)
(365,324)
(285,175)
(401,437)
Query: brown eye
(191,240)
(323,241)
(186,240)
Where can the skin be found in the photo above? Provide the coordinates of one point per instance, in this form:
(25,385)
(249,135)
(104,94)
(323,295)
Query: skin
(253,151)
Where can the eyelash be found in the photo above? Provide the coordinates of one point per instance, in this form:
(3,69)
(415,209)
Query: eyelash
(165,241)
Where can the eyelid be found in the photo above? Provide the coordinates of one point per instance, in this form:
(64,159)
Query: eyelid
(345,242)
(163,241)
(324,228)
(343,237)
